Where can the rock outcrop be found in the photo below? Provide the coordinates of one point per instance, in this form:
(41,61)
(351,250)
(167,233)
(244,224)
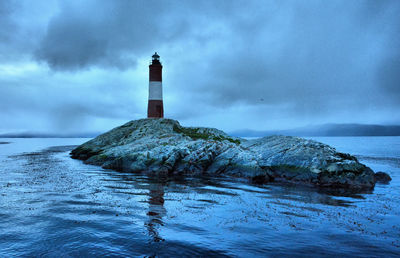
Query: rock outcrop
(163,146)
(382,177)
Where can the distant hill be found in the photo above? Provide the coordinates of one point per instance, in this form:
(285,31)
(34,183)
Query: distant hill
(317,130)
(327,130)
(49,135)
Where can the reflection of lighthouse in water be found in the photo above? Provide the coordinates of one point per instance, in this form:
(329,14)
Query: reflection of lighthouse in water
(156,210)
(155,107)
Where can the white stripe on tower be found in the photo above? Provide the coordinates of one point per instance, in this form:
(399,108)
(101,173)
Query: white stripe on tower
(155,90)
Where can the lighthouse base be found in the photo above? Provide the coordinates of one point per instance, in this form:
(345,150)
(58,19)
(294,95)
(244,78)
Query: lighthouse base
(155,109)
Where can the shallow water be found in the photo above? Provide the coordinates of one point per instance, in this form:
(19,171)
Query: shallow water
(51,205)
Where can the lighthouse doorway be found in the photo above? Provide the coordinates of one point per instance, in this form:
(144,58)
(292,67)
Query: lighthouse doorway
(159,111)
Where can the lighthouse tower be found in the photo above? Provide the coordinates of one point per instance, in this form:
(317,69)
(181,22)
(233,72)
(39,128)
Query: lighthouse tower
(155,107)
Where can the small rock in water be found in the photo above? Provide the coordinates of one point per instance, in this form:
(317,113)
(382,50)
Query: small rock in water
(262,179)
(382,177)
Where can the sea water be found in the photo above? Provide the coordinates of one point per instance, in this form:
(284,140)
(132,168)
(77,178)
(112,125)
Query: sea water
(54,206)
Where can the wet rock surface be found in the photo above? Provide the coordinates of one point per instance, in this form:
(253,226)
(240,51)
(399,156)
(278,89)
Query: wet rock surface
(164,147)
(382,177)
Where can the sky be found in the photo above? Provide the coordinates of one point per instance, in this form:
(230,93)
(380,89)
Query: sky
(82,66)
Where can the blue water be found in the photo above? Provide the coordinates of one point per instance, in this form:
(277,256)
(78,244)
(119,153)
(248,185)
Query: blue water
(54,206)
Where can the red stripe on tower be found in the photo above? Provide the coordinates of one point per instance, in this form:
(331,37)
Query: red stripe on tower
(155,107)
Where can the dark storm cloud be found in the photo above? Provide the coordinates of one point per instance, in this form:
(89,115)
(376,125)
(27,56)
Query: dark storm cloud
(21,27)
(313,57)
(107,33)
(83,35)
(116,33)
(8,26)
(6,23)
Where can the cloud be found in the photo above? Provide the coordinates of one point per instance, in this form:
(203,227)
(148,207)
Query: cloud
(22,26)
(65,102)
(257,63)
(313,59)
(6,22)
(8,26)
(112,34)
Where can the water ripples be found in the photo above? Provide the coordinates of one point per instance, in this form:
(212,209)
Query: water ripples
(52,205)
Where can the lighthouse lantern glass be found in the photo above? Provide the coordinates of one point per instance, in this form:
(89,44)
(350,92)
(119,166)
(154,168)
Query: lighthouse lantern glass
(156,56)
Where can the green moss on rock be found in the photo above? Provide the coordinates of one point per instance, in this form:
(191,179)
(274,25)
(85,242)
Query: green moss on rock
(196,134)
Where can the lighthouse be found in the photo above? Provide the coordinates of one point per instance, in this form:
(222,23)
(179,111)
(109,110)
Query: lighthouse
(155,107)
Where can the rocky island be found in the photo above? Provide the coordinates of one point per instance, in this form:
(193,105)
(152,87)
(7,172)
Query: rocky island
(164,147)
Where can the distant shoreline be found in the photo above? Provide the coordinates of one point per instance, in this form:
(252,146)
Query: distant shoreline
(11,136)
(244,137)
(325,130)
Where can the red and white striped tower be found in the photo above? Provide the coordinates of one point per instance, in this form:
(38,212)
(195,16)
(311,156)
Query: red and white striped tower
(155,108)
